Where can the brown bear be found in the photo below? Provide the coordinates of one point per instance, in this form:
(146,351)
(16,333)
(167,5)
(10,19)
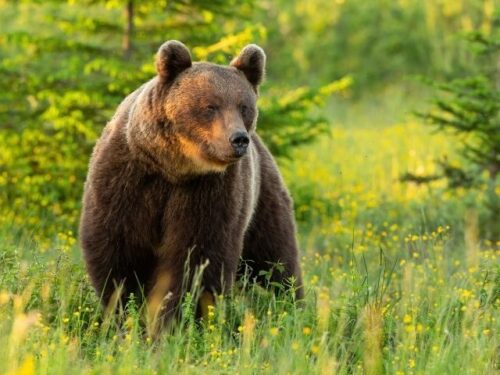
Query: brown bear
(180,179)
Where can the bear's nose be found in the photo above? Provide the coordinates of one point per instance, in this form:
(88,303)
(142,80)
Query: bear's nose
(240,141)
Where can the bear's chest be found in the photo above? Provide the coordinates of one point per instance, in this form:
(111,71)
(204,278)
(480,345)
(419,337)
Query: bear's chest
(222,202)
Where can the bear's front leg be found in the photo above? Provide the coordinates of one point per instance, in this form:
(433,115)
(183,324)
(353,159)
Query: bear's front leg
(114,274)
(118,233)
(200,259)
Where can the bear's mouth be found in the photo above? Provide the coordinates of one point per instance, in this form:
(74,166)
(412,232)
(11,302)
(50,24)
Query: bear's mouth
(223,161)
(219,159)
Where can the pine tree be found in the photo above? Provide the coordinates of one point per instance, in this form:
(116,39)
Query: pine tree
(470,108)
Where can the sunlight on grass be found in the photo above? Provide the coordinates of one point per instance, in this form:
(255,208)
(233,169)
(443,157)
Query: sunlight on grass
(390,287)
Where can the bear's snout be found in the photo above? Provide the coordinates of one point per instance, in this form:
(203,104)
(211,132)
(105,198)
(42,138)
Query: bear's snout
(239,140)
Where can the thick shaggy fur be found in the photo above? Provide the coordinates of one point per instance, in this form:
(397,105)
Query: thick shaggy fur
(165,191)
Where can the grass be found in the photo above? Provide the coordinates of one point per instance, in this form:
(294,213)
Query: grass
(398,280)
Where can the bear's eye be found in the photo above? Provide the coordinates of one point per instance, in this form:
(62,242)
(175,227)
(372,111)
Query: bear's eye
(209,112)
(211,109)
(243,109)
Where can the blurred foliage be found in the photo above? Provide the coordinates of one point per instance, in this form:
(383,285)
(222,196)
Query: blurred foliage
(375,41)
(470,108)
(288,120)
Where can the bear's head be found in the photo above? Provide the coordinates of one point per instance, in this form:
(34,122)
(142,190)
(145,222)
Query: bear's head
(196,118)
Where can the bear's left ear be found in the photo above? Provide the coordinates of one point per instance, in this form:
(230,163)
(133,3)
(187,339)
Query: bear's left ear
(252,62)
(172,58)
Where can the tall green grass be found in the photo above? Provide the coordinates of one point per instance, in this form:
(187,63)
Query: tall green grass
(398,280)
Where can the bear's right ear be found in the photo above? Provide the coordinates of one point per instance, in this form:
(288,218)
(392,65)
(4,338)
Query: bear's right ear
(172,58)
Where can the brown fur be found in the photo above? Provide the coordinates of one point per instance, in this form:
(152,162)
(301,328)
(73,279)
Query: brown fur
(164,187)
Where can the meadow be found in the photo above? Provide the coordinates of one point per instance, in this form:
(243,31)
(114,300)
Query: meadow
(400,277)
(392,285)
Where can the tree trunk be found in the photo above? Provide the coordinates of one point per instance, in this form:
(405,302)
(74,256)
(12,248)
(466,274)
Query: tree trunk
(128,30)
(497,69)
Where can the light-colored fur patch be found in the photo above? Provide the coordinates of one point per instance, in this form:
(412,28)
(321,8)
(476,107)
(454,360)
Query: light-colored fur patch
(254,172)
(157,300)
(192,151)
